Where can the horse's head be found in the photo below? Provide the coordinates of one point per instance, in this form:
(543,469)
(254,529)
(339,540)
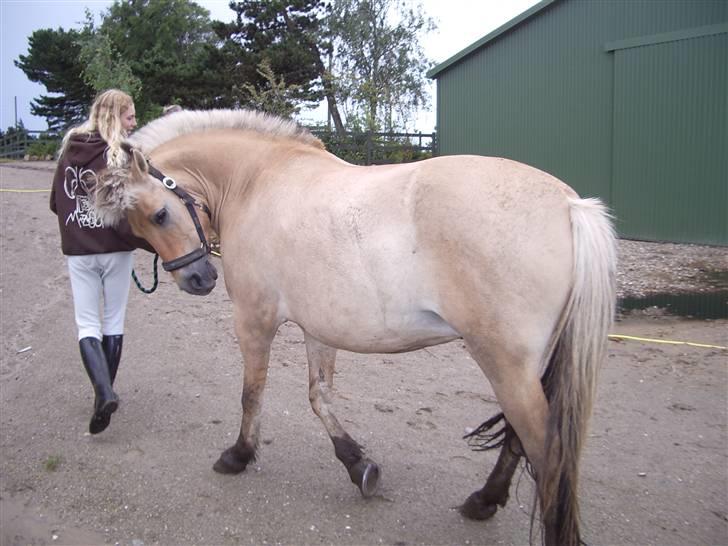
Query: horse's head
(156,211)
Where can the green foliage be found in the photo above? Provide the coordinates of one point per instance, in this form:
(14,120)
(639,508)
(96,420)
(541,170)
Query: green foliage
(278,55)
(274,97)
(52,463)
(365,148)
(155,50)
(53,61)
(286,35)
(168,45)
(379,65)
(104,68)
(43,147)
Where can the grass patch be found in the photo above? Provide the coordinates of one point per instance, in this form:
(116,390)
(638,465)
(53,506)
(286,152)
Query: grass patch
(52,463)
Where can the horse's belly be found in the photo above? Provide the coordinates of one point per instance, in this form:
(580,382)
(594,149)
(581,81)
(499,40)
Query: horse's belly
(394,335)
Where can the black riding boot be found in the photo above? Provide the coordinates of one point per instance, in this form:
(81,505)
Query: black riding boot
(106,401)
(112,350)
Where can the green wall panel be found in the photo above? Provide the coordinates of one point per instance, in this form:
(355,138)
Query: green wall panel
(670,147)
(543,92)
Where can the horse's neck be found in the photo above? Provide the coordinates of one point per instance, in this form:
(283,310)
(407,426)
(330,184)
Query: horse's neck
(219,171)
(199,173)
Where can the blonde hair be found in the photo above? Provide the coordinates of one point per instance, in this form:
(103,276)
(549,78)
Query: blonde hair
(105,118)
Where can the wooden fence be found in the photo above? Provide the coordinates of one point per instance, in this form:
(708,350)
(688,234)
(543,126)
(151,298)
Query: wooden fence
(361,148)
(18,144)
(369,148)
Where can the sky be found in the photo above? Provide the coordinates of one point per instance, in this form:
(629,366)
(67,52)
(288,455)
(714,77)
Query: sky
(460,23)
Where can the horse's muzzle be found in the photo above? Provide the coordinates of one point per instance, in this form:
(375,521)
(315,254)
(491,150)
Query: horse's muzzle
(198,278)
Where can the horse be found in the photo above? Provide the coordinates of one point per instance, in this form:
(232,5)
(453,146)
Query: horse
(388,259)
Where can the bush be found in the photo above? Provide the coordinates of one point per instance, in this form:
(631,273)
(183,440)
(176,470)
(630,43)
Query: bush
(377,148)
(42,148)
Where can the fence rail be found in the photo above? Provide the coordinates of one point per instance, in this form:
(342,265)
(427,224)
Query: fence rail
(18,144)
(372,148)
(363,148)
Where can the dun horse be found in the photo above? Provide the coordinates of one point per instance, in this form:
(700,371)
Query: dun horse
(384,260)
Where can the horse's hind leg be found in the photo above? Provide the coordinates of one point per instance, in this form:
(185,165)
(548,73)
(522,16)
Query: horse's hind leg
(483,503)
(517,386)
(363,472)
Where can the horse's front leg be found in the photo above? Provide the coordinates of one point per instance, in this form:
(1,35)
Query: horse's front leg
(255,341)
(363,472)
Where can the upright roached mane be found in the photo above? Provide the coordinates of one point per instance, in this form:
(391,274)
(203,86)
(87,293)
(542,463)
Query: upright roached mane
(174,125)
(115,195)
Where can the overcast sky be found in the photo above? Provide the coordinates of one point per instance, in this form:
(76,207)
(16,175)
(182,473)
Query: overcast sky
(460,23)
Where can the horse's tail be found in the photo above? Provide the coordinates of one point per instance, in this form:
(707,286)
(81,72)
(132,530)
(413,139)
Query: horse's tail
(570,378)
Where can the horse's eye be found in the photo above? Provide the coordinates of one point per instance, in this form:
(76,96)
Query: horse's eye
(160,217)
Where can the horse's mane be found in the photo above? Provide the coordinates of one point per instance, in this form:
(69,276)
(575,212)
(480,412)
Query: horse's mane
(181,123)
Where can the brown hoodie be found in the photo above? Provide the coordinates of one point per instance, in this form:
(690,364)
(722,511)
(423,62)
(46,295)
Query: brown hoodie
(81,231)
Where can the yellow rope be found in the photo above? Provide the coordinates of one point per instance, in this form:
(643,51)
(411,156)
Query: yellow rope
(667,341)
(23,191)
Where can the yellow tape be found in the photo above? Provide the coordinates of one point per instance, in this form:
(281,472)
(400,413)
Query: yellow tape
(23,191)
(667,341)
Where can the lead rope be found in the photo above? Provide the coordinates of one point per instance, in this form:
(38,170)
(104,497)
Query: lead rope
(156,278)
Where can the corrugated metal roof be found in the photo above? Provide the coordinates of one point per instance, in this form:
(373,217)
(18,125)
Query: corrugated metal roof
(533,10)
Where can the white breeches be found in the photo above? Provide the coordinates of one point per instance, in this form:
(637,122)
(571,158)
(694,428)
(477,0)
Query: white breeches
(100,285)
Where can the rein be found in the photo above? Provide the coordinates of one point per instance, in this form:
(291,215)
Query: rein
(156,278)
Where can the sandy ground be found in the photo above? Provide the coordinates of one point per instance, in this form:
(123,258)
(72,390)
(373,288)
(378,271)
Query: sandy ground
(654,472)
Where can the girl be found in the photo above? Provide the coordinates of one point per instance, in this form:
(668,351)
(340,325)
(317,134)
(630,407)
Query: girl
(99,258)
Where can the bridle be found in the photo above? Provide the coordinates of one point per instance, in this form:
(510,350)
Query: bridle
(189,201)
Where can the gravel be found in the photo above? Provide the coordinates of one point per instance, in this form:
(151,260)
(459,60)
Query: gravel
(646,269)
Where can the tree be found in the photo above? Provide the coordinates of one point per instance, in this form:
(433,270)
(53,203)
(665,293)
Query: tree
(379,65)
(160,51)
(53,61)
(168,45)
(276,97)
(291,37)
(104,68)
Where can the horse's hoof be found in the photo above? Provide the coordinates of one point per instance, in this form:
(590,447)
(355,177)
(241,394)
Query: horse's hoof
(365,474)
(475,508)
(230,462)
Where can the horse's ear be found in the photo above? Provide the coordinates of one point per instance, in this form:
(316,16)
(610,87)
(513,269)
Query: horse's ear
(139,166)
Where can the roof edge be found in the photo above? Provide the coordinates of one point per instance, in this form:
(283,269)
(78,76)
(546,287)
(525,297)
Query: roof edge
(434,72)
(674,36)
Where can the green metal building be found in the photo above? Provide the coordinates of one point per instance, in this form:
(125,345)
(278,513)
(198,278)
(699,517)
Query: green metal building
(626,100)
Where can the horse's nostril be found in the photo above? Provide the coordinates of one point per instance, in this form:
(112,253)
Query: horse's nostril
(196,280)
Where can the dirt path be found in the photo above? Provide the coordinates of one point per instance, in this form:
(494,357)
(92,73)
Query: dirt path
(655,471)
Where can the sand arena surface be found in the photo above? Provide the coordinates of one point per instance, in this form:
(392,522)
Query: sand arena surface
(654,471)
